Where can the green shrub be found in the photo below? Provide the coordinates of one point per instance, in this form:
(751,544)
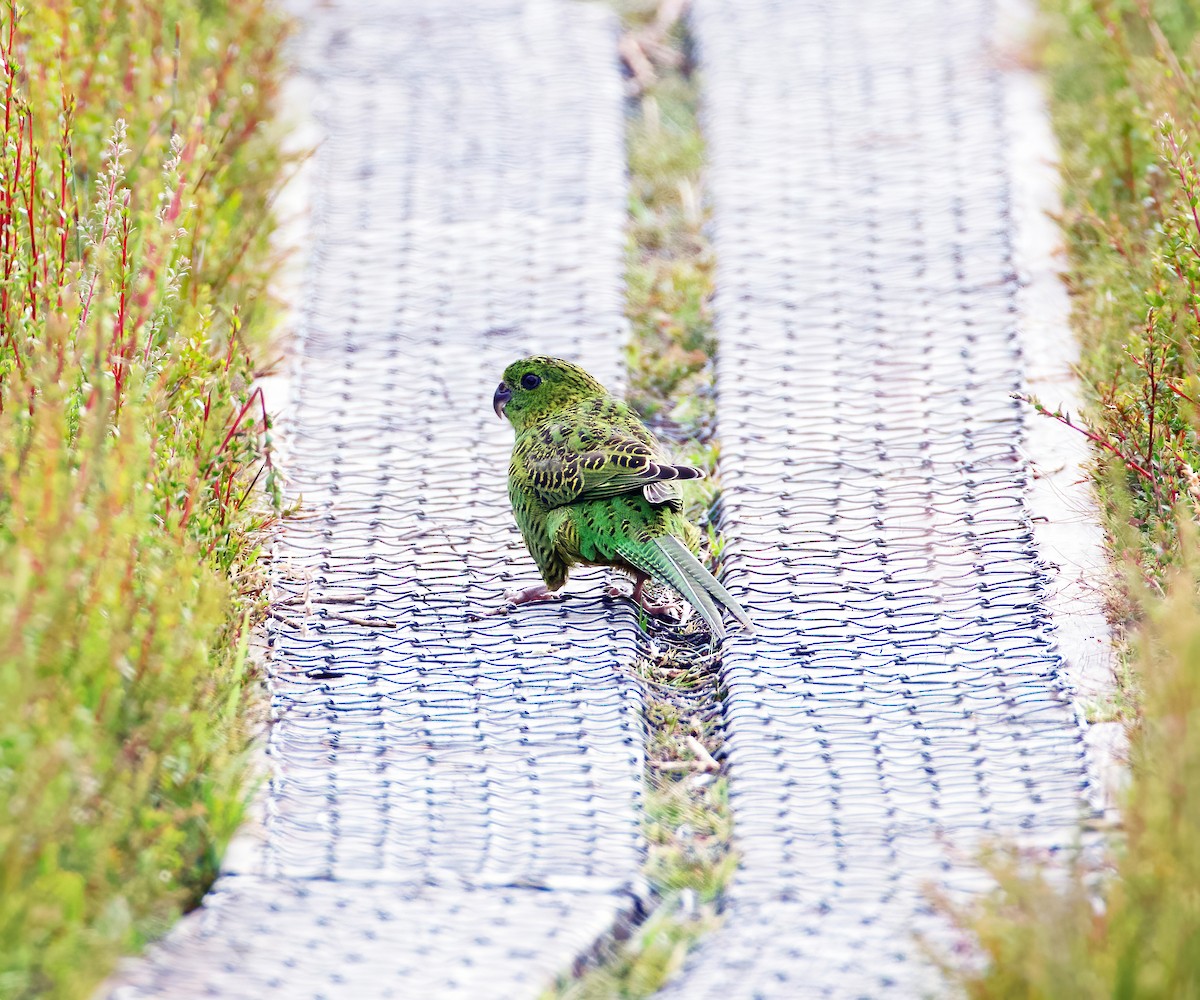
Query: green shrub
(135,179)
(1125,106)
(1125,102)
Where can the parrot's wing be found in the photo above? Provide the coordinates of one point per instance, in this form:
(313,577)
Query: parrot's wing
(582,467)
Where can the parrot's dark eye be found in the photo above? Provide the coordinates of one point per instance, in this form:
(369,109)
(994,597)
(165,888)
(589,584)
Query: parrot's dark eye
(530,381)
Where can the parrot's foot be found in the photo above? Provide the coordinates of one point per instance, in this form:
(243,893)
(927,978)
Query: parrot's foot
(515,598)
(529,595)
(674,612)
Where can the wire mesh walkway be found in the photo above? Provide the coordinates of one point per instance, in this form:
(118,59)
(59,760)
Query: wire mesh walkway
(903,699)
(452,803)
(452,807)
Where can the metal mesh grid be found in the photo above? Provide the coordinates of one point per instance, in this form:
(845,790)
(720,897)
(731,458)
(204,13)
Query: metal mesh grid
(468,208)
(358,940)
(903,699)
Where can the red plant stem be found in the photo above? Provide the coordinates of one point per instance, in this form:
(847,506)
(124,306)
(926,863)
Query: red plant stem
(118,348)
(68,128)
(8,217)
(186,513)
(1192,290)
(17,168)
(254,482)
(9,48)
(257,393)
(223,499)
(7,211)
(63,222)
(8,237)
(1180,393)
(30,206)
(228,490)
(234,327)
(33,191)
(1153,393)
(1178,160)
(1169,383)
(1091,436)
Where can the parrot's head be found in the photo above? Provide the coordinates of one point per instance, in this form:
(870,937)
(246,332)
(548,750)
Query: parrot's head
(536,388)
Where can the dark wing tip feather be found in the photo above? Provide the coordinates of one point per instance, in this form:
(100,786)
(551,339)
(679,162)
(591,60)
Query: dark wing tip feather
(657,475)
(670,472)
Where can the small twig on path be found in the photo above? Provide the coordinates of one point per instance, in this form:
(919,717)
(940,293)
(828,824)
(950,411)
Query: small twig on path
(349,619)
(701,751)
(301,599)
(643,50)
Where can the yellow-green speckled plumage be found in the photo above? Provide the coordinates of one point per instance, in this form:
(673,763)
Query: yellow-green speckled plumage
(590,484)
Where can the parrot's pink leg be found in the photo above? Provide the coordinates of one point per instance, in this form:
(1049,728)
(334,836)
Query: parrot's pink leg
(530,594)
(515,598)
(651,608)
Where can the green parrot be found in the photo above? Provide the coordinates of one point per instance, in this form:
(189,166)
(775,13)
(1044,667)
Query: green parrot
(591,485)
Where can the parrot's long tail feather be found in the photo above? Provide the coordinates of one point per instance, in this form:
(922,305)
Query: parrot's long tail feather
(694,571)
(694,591)
(670,562)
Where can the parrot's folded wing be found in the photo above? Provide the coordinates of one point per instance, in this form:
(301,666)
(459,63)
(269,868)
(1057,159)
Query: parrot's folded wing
(565,472)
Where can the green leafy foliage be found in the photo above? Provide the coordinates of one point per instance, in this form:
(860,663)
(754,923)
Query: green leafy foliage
(135,178)
(1126,102)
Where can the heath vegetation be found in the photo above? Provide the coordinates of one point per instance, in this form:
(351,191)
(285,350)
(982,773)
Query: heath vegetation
(1125,96)
(135,181)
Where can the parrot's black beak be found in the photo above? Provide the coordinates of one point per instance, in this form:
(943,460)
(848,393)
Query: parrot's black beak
(503,395)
